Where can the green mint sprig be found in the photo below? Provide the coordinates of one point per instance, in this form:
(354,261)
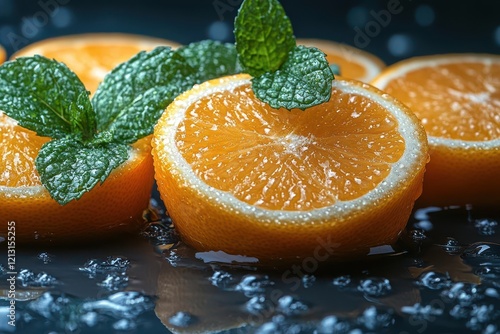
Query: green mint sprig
(284,75)
(91,137)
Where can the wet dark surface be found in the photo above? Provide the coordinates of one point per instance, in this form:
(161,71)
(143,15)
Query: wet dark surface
(442,277)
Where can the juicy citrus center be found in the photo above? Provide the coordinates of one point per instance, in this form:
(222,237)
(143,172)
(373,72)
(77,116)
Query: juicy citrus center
(450,100)
(336,151)
(18,150)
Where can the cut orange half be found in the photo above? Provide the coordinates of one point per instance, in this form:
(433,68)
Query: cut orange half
(116,205)
(332,181)
(92,56)
(457,97)
(354,63)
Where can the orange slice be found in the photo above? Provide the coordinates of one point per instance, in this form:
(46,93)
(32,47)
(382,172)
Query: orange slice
(354,63)
(3,54)
(116,205)
(329,182)
(457,97)
(92,56)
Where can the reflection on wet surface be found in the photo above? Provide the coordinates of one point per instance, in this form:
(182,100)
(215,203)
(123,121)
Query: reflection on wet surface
(442,276)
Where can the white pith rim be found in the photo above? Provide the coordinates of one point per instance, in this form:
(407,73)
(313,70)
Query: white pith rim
(399,174)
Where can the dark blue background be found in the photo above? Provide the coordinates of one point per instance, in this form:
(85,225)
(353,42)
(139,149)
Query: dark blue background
(420,27)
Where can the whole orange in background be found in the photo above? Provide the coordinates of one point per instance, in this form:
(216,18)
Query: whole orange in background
(336,179)
(354,63)
(457,97)
(108,209)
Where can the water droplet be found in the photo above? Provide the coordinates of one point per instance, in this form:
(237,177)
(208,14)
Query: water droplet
(373,318)
(124,325)
(462,293)
(221,279)
(114,281)
(308,281)
(182,319)
(482,253)
(452,246)
(480,316)
(45,257)
(252,285)
(418,236)
(331,324)
(112,264)
(423,311)
(159,234)
(259,305)
(289,306)
(375,286)
(28,278)
(124,304)
(486,226)
(342,281)
(434,281)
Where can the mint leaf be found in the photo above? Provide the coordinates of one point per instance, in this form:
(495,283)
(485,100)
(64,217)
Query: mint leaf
(211,59)
(41,94)
(69,168)
(303,81)
(264,36)
(133,96)
(82,117)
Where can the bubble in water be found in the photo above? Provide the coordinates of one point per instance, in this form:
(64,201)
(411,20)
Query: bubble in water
(434,281)
(221,279)
(423,311)
(289,305)
(182,319)
(28,278)
(374,319)
(252,285)
(375,286)
(486,226)
(342,281)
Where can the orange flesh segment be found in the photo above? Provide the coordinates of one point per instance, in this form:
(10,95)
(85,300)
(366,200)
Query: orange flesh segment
(18,149)
(437,96)
(351,149)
